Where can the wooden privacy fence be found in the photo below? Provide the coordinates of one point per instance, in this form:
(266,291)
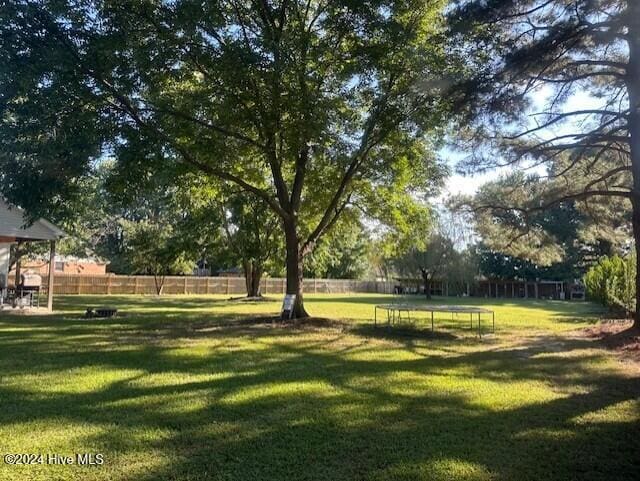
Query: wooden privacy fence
(116,284)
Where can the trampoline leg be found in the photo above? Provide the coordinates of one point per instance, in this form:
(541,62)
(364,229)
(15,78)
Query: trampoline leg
(479,330)
(431,321)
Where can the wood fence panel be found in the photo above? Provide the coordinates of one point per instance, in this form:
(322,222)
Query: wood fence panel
(231,286)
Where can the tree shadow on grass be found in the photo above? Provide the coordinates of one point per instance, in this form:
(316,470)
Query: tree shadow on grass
(279,403)
(473,301)
(401,332)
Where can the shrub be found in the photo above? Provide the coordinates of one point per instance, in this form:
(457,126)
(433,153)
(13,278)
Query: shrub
(611,282)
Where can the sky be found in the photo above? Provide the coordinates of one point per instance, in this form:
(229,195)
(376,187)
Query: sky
(465,184)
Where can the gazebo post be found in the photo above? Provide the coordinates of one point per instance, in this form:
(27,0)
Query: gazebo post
(52,260)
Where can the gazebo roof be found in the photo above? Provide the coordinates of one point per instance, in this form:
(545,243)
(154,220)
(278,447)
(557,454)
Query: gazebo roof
(12,226)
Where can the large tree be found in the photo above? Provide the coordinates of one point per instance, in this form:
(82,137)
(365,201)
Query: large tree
(342,253)
(209,221)
(430,262)
(564,50)
(154,248)
(231,228)
(333,100)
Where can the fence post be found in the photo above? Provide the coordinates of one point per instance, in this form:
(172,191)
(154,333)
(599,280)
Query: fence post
(227,286)
(184,285)
(108,285)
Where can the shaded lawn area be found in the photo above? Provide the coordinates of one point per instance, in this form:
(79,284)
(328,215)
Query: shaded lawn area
(177,389)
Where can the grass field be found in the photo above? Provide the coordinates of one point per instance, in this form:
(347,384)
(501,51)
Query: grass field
(181,388)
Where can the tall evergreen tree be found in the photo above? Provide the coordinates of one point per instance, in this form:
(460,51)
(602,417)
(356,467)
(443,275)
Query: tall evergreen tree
(565,48)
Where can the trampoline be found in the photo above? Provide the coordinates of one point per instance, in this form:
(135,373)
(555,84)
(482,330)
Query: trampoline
(395,311)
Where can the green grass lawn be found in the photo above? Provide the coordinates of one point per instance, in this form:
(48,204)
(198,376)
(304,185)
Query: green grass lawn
(178,389)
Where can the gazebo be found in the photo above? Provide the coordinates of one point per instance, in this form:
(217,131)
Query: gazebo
(13,229)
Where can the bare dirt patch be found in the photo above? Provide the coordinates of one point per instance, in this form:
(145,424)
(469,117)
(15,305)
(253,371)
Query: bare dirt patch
(307,322)
(617,336)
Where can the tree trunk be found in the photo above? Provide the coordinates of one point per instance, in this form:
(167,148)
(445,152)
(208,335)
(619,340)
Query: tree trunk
(294,269)
(427,284)
(18,272)
(159,282)
(633,88)
(252,278)
(18,262)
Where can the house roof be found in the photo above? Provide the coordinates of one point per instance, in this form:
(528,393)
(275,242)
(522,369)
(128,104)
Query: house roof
(12,226)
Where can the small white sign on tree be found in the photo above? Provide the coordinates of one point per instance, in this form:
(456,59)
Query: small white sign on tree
(287,306)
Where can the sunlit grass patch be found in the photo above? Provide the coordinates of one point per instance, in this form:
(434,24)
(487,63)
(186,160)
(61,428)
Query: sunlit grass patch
(621,412)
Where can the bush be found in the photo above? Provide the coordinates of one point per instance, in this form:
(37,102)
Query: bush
(611,282)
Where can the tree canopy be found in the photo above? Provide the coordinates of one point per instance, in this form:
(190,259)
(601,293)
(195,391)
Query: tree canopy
(559,241)
(309,106)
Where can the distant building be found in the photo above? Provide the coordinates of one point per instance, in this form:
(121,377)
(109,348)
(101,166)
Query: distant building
(88,266)
(231,272)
